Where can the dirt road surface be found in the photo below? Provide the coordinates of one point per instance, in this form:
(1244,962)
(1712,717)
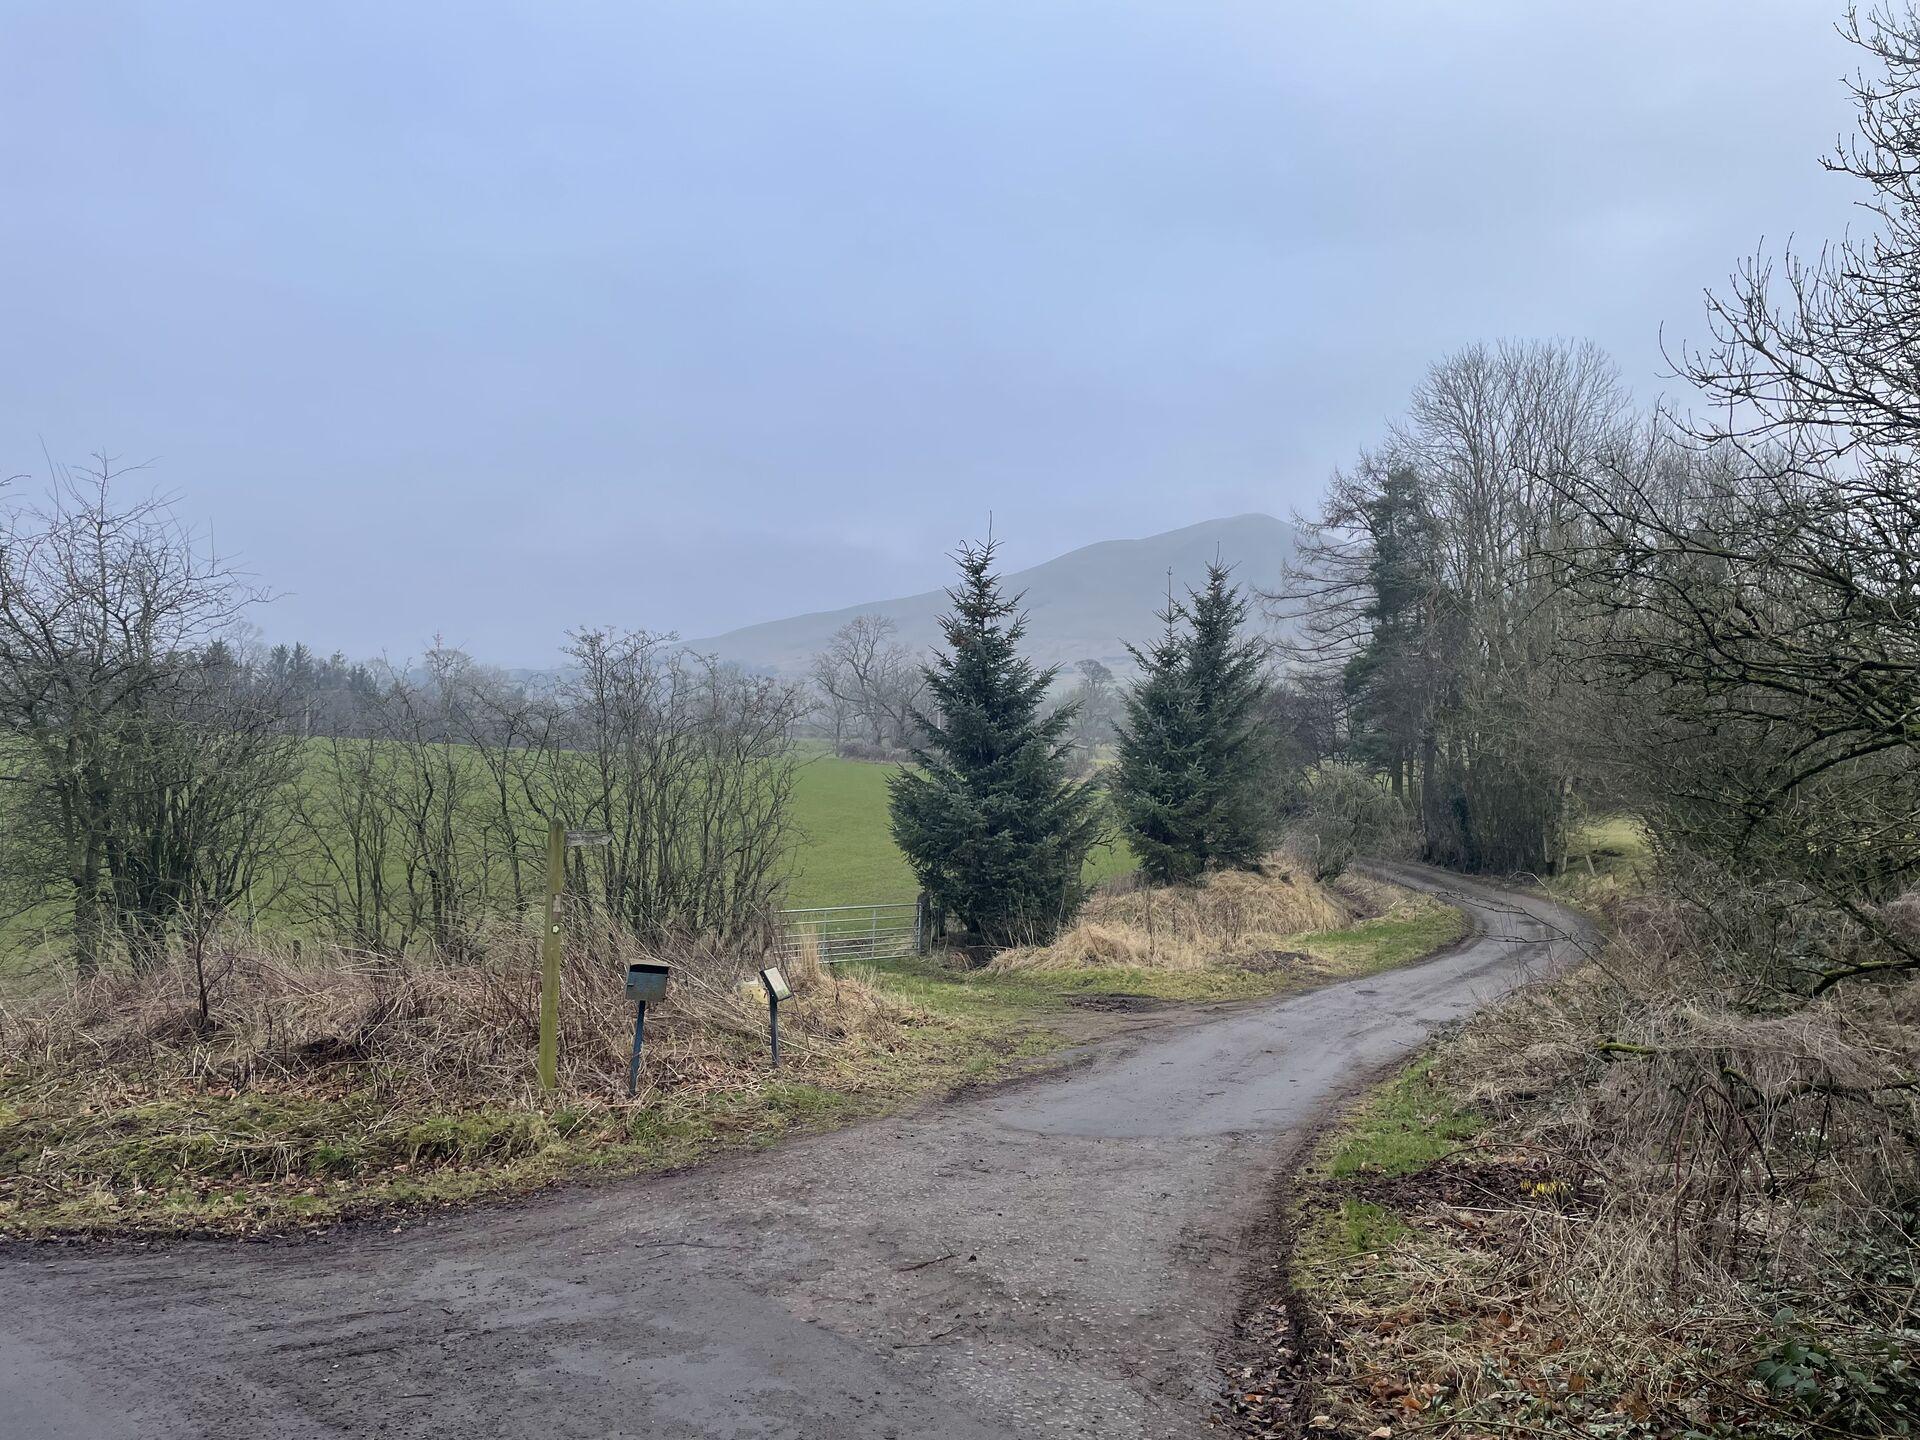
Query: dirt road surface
(1059,1257)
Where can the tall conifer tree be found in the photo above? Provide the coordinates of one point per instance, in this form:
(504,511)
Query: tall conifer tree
(1160,778)
(993,826)
(1226,672)
(1195,763)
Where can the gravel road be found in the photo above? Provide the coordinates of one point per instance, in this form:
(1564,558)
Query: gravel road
(1059,1257)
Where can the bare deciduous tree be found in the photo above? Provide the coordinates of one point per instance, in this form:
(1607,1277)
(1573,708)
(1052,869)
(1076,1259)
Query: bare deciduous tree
(866,675)
(146,765)
(1752,574)
(1431,584)
(438,819)
(686,763)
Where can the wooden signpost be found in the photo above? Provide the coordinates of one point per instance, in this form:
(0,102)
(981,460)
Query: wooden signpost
(559,839)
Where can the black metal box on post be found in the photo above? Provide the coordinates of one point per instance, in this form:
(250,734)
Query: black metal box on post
(645,981)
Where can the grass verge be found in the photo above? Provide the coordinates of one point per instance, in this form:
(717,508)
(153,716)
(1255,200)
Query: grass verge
(290,1157)
(1405,1126)
(324,1085)
(1237,934)
(1412,928)
(1631,1201)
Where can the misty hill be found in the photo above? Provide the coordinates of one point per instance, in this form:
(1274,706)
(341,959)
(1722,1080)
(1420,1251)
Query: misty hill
(1080,605)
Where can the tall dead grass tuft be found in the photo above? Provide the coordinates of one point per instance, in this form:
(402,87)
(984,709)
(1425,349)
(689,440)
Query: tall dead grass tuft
(1232,913)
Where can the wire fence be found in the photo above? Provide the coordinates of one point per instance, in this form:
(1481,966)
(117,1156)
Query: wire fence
(839,933)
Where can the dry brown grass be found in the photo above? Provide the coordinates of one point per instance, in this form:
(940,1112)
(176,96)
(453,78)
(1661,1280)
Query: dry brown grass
(283,1011)
(1715,1117)
(1233,914)
(1679,1159)
(325,1082)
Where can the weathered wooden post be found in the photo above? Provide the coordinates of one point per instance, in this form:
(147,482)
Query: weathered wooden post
(558,839)
(550,958)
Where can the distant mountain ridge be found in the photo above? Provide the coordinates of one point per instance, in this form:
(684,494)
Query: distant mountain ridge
(1085,604)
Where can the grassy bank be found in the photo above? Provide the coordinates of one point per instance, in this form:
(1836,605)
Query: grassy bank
(324,1085)
(1206,946)
(1642,1199)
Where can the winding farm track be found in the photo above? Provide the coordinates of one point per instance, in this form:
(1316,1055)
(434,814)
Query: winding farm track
(1059,1257)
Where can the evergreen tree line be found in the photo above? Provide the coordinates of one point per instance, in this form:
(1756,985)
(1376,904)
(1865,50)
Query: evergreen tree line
(992,817)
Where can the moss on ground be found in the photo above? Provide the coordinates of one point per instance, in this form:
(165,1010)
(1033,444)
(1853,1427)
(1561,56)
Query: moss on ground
(1405,1126)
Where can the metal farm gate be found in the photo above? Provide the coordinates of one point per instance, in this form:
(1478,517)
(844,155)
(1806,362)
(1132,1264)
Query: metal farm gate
(839,933)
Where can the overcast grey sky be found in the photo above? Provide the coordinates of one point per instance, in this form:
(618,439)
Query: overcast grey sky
(492,320)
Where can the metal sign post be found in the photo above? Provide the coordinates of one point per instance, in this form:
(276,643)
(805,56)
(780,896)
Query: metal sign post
(558,839)
(777,990)
(639,1039)
(644,982)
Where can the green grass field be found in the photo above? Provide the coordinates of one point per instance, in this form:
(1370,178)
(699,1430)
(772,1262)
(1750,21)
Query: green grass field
(843,852)
(1606,857)
(846,854)
(1614,846)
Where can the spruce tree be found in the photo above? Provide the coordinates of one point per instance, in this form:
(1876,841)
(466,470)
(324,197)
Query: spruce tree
(1394,678)
(1159,780)
(1226,672)
(989,819)
(1195,766)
